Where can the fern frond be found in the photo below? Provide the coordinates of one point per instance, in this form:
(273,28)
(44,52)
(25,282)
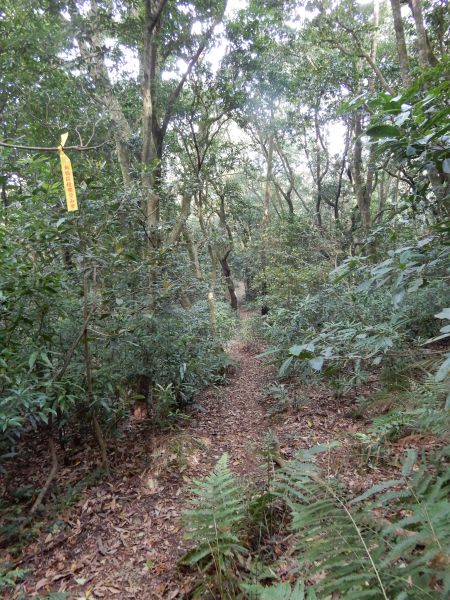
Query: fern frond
(359,554)
(281,591)
(214,519)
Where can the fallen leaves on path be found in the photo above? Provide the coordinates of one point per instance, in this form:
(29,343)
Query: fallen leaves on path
(123,537)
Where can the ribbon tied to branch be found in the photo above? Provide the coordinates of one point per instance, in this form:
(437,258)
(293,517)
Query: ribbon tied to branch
(67,173)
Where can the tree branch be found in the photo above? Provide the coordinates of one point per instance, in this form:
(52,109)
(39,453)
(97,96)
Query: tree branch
(51,148)
(174,96)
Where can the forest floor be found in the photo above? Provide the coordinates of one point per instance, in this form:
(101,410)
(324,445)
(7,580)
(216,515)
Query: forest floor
(122,536)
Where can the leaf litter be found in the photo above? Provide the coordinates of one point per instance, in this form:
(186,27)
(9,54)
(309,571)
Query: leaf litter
(122,538)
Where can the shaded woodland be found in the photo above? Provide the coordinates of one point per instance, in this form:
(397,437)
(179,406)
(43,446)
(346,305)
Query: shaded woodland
(226,375)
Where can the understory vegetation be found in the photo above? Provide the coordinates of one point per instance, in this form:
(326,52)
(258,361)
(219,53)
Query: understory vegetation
(290,156)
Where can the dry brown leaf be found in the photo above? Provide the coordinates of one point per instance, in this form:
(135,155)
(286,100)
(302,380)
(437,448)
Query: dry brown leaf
(41,583)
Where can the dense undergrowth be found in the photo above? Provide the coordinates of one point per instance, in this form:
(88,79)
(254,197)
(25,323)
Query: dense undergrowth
(389,542)
(386,352)
(84,345)
(189,178)
(374,329)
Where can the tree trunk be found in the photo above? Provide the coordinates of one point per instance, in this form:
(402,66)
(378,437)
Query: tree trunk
(88,369)
(370,183)
(441,187)
(426,56)
(267,189)
(181,221)
(4,194)
(212,290)
(321,171)
(401,44)
(151,134)
(362,198)
(341,173)
(53,470)
(192,253)
(382,193)
(229,280)
(364,189)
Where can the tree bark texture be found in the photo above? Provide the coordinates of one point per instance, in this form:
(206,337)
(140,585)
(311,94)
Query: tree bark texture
(401,43)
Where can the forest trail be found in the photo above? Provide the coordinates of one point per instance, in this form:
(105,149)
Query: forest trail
(123,538)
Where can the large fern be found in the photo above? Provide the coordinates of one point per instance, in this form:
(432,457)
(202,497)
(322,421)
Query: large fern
(422,407)
(390,542)
(214,519)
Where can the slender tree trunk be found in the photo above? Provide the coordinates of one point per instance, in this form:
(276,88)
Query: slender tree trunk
(266,212)
(90,395)
(181,221)
(4,194)
(53,470)
(229,280)
(268,184)
(370,183)
(401,43)
(440,184)
(321,169)
(151,133)
(382,193)
(192,253)
(364,188)
(358,183)
(341,173)
(223,253)
(426,56)
(288,198)
(212,290)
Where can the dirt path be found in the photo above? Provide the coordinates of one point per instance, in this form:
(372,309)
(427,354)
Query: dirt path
(123,538)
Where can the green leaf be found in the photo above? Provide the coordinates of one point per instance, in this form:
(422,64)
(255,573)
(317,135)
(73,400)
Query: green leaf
(32,359)
(424,242)
(402,118)
(376,489)
(409,463)
(415,284)
(443,370)
(383,131)
(296,350)
(280,591)
(316,363)
(443,336)
(285,366)
(398,297)
(444,314)
(46,359)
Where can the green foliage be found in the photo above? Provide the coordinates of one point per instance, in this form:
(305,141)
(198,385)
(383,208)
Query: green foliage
(390,542)
(10,578)
(360,554)
(215,518)
(295,262)
(281,591)
(415,134)
(421,407)
(45,255)
(280,395)
(366,314)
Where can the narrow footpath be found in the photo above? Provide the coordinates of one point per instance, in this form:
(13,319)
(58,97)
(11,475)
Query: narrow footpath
(123,538)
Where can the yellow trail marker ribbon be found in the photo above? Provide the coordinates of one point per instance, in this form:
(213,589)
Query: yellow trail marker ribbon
(67,173)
